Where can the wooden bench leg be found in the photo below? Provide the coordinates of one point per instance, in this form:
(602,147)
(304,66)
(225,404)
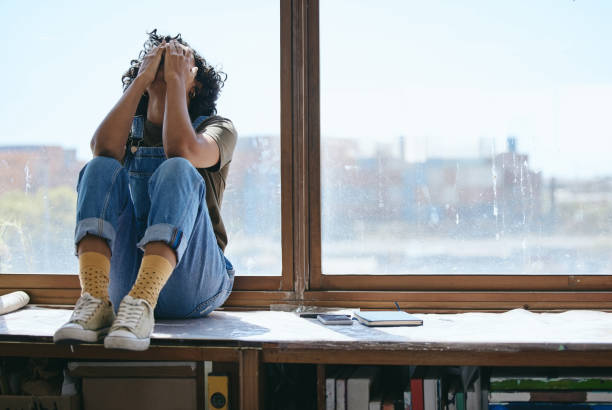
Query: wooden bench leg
(251,379)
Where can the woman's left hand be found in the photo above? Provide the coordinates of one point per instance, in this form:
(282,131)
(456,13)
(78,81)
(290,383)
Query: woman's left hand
(179,64)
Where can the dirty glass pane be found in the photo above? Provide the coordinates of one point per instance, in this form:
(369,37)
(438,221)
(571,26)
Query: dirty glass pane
(466,137)
(62,74)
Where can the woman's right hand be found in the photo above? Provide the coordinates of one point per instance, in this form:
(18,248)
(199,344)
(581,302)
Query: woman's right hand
(150,64)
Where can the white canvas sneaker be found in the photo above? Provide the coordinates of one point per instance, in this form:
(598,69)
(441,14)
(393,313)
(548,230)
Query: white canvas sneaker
(133,326)
(89,322)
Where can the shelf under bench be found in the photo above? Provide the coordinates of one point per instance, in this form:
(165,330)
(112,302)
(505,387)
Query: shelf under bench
(250,339)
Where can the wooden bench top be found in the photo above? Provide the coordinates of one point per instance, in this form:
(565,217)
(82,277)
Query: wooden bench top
(576,329)
(284,336)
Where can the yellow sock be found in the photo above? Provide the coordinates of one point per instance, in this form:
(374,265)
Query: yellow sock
(93,274)
(152,276)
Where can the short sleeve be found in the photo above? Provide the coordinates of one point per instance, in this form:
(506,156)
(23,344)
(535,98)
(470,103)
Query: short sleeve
(222,131)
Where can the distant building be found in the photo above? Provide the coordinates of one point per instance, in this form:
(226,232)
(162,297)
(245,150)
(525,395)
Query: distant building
(519,194)
(31,167)
(251,201)
(501,194)
(479,196)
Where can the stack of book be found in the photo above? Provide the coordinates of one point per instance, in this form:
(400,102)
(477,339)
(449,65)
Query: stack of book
(467,388)
(389,387)
(555,389)
(367,388)
(427,386)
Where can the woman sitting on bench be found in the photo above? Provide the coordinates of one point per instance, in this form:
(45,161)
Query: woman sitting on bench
(149,234)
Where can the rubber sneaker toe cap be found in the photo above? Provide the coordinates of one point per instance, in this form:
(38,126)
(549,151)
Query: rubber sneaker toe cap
(125,334)
(74,332)
(124,339)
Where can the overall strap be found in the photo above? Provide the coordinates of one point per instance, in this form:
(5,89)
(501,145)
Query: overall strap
(198,121)
(137,127)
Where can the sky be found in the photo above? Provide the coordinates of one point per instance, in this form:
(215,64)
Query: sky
(65,59)
(451,77)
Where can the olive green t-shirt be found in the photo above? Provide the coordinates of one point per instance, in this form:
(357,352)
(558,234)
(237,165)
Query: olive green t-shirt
(223,132)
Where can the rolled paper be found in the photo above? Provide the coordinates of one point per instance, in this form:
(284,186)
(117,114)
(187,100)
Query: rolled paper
(13,301)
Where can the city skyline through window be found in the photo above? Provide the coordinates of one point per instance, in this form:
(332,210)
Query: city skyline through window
(465,138)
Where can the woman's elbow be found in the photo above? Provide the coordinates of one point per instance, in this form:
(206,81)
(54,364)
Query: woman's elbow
(106,152)
(101,150)
(176,150)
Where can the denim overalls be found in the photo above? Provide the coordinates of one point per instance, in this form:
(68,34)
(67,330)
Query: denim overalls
(152,198)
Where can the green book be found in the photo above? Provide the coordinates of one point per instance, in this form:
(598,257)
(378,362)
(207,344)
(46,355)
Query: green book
(460,400)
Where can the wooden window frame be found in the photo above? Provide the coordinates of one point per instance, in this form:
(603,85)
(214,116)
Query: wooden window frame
(423,292)
(302,281)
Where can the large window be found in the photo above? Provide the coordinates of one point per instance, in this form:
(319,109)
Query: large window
(430,153)
(62,73)
(465,137)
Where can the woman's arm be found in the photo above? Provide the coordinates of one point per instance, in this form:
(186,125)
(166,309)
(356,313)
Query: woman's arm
(179,138)
(110,137)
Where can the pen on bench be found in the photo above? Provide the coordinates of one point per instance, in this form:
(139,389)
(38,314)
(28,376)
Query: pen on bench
(397,306)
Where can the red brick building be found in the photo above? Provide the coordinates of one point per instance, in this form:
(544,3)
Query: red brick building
(28,168)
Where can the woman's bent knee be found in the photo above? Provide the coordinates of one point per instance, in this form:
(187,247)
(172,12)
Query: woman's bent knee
(176,165)
(177,170)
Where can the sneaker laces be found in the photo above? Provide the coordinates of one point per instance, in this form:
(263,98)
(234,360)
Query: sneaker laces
(129,314)
(84,308)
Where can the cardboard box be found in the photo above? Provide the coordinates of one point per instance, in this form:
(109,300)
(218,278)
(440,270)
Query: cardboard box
(137,385)
(139,393)
(40,402)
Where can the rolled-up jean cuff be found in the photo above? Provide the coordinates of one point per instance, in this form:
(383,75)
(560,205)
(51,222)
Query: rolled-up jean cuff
(93,226)
(165,233)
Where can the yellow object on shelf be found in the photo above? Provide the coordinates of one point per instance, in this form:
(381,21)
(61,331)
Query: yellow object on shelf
(218,392)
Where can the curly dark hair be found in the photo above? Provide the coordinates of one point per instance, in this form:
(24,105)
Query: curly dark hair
(205,100)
